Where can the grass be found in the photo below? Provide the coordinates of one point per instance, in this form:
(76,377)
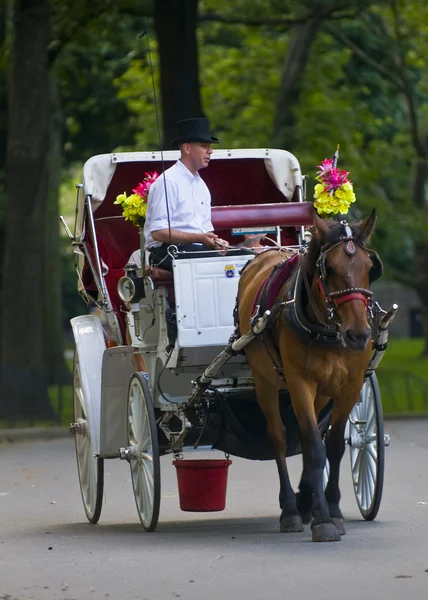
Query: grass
(403,377)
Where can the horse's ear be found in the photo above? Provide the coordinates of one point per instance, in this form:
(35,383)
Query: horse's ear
(367,226)
(320,224)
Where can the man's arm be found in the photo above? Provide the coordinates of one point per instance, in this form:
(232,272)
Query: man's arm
(174,236)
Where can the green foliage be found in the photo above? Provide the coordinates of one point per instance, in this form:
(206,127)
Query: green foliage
(402,377)
(96,120)
(138,91)
(238,76)
(242,79)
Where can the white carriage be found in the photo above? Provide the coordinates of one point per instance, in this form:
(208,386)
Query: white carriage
(196,384)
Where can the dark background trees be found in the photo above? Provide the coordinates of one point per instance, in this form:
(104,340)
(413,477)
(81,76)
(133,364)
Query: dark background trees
(300,76)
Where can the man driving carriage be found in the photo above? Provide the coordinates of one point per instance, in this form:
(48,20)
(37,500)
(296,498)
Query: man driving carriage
(179,205)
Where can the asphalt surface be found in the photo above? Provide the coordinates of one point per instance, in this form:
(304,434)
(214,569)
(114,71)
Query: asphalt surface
(48,551)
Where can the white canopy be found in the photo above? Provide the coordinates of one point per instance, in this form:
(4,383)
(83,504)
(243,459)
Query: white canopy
(282,166)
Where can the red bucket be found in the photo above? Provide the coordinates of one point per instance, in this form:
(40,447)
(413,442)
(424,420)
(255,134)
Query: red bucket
(202,484)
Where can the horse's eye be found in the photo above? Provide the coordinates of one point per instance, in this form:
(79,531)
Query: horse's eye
(329,270)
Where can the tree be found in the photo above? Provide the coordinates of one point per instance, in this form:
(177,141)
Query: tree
(23,371)
(175,24)
(401,32)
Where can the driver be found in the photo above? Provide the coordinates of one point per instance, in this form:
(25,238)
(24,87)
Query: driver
(179,203)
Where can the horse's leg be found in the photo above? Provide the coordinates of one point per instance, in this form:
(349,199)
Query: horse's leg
(335,449)
(314,455)
(267,396)
(304,497)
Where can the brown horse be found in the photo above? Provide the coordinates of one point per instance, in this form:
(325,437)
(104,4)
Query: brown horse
(319,343)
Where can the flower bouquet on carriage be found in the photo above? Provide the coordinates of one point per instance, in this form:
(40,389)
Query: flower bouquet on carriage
(134,206)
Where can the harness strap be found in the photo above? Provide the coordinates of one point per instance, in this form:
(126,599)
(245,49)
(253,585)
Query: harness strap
(273,352)
(310,296)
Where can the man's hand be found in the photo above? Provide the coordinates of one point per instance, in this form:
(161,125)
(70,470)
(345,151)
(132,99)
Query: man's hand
(212,240)
(222,244)
(208,239)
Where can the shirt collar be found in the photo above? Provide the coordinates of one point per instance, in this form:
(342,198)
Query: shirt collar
(188,173)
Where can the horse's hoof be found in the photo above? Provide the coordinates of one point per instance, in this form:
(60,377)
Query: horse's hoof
(290,524)
(340,524)
(325,532)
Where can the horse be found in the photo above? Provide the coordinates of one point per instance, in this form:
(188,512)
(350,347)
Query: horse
(318,346)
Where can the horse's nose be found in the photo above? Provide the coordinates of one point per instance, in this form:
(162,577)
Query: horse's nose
(356,341)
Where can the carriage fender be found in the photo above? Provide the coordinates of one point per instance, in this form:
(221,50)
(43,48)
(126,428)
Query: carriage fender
(90,347)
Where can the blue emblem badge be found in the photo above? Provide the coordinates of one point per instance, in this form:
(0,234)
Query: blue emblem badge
(229,271)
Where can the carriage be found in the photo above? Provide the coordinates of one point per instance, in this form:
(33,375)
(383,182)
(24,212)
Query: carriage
(197,390)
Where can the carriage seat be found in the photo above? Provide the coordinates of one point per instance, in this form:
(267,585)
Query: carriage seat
(158,275)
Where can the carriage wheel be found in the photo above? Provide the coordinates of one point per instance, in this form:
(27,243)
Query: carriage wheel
(367,444)
(143,452)
(90,469)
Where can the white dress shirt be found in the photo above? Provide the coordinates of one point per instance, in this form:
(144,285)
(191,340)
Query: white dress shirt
(189,204)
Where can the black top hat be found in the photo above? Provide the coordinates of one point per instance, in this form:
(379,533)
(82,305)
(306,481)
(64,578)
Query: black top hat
(193,130)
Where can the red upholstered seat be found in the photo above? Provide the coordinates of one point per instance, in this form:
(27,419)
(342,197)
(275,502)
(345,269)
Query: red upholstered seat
(159,276)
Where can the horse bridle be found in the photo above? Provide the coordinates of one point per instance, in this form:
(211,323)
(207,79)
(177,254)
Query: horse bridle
(336,298)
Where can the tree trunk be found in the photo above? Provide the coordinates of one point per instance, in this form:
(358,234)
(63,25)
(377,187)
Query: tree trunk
(296,58)
(24,380)
(175,24)
(420,177)
(53,333)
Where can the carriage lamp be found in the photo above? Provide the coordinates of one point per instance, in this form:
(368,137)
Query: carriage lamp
(130,287)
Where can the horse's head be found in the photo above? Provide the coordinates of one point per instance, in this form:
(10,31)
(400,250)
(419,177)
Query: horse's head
(342,269)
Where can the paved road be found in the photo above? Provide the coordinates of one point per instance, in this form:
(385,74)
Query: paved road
(49,552)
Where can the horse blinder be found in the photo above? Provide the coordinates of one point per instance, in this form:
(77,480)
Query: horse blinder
(377,268)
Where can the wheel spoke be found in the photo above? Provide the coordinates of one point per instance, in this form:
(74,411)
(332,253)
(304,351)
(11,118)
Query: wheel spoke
(359,481)
(145,439)
(371,423)
(371,450)
(371,464)
(356,466)
(368,484)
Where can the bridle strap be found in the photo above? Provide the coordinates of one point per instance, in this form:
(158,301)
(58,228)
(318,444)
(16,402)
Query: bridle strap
(310,295)
(341,296)
(351,296)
